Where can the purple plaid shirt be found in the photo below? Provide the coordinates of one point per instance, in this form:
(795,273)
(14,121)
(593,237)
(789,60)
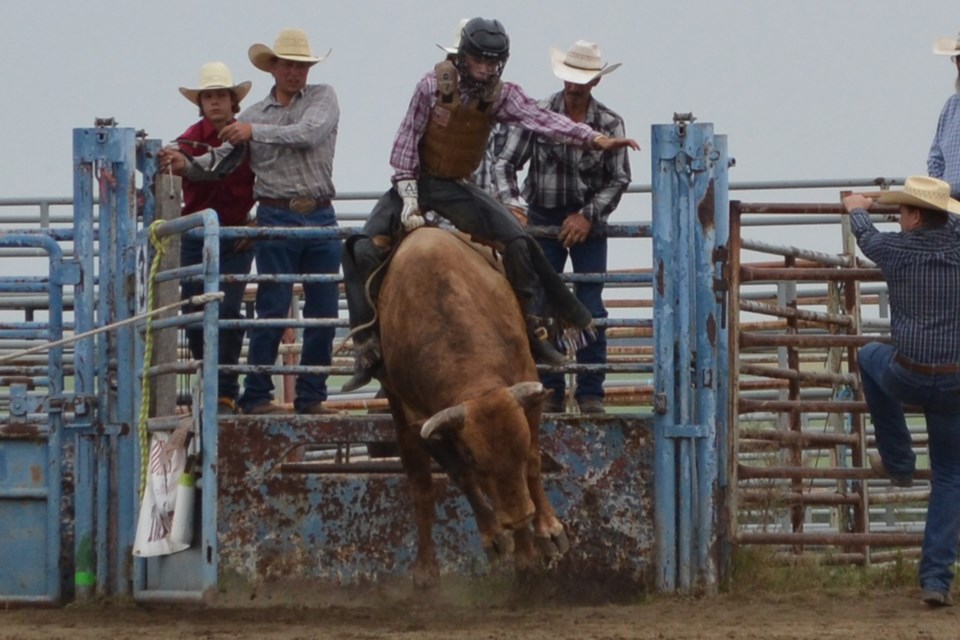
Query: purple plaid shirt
(514,107)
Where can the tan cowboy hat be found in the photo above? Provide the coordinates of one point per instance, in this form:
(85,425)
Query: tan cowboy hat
(580,65)
(949,46)
(452,51)
(924,192)
(291,44)
(216,75)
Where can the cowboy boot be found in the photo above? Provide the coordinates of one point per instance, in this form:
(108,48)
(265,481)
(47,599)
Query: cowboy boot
(360,260)
(541,347)
(368,363)
(538,333)
(562,300)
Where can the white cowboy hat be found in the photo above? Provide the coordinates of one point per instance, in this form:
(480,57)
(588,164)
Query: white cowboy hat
(291,44)
(452,51)
(949,46)
(923,192)
(216,75)
(580,65)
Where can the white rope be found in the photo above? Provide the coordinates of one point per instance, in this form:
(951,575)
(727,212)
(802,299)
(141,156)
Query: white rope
(195,300)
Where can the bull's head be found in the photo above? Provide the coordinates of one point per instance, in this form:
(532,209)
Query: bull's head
(492,435)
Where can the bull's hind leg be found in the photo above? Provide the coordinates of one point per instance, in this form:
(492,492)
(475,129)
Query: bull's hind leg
(416,464)
(549,534)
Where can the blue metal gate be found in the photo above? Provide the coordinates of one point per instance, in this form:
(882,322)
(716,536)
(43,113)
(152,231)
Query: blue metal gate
(690,234)
(31,438)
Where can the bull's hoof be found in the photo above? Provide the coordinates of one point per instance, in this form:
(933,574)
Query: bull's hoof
(500,548)
(426,576)
(554,546)
(425,581)
(503,544)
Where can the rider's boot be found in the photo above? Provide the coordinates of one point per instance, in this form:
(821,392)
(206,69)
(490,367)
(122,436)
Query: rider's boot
(540,344)
(360,260)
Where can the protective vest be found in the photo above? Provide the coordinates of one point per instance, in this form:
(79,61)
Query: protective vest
(456,136)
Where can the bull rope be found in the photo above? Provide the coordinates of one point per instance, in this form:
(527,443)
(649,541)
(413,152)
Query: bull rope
(160,248)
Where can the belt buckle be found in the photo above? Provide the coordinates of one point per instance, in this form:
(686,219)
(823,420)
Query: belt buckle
(303,204)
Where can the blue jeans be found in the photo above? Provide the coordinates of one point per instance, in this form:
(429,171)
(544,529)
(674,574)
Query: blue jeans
(590,256)
(231,340)
(302,256)
(887,386)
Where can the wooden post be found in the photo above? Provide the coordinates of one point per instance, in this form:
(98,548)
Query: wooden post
(163,389)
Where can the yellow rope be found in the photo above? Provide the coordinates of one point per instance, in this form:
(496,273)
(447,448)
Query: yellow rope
(160,247)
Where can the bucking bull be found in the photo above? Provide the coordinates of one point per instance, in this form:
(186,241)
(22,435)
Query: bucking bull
(463,389)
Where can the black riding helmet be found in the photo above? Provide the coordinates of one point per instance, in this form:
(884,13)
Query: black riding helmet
(484,39)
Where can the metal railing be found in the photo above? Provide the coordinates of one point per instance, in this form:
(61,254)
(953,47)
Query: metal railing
(799,478)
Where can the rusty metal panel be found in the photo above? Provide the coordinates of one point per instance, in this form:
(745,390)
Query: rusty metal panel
(344,528)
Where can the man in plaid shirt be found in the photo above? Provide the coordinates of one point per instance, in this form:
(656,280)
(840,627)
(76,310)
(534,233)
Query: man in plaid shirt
(921,365)
(575,189)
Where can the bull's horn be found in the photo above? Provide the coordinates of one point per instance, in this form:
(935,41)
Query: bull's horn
(450,419)
(529,393)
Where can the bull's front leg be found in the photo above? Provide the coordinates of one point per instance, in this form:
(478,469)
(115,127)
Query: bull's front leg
(416,463)
(549,534)
(497,542)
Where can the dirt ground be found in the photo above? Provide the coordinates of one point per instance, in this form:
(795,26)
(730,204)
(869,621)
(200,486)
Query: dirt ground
(890,615)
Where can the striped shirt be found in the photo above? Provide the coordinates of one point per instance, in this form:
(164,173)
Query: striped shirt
(292,149)
(944,159)
(563,176)
(513,107)
(922,270)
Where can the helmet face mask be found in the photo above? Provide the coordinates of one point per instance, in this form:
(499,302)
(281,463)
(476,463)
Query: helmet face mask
(487,41)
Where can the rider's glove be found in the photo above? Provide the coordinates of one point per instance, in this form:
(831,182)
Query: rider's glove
(410,216)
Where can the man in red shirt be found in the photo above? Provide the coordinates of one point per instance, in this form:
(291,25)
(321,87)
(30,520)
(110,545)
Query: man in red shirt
(232,198)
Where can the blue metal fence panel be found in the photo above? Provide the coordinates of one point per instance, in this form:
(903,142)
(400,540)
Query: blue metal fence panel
(190,574)
(689,165)
(24,532)
(31,455)
(105,381)
(664,148)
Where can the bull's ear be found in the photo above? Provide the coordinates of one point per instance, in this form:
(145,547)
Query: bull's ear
(449,420)
(529,394)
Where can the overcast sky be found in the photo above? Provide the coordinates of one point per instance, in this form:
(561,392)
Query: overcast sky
(803,89)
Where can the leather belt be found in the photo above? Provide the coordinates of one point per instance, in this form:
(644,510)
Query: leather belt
(299,204)
(927,369)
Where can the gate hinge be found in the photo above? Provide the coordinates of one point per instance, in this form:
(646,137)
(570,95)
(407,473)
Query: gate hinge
(69,272)
(660,403)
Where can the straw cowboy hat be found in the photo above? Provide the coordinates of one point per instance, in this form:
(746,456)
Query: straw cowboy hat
(923,192)
(949,46)
(452,51)
(580,65)
(291,44)
(215,75)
